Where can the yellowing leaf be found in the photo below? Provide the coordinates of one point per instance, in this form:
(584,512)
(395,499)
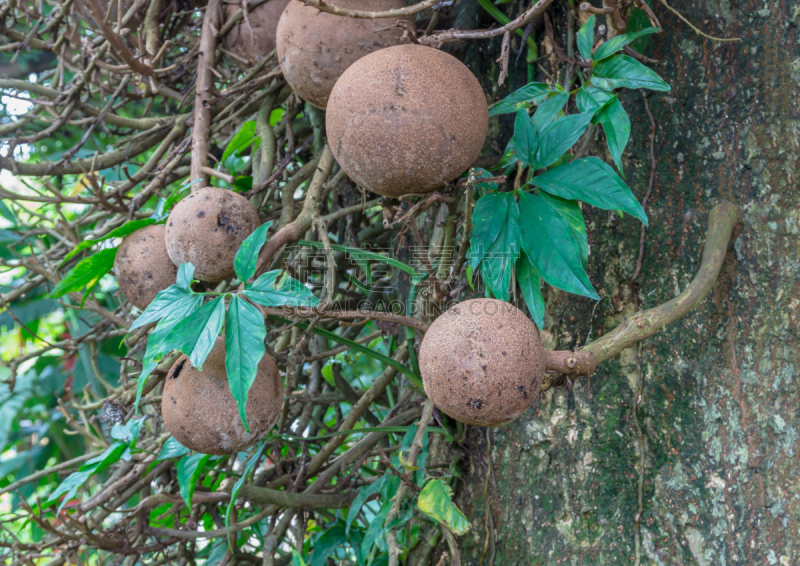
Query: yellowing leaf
(436,501)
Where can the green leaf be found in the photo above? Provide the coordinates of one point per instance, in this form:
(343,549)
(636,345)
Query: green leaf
(185,276)
(616,43)
(508,159)
(246,471)
(129,432)
(611,115)
(246,259)
(548,110)
(7,236)
(436,501)
(592,181)
(243,139)
(548,242)
(572,213)
(530,93)
(86,273)
(488,217)
(7,213)
(171,449)
(363,494)
(118,232)
(530,283)
(267,291)
(297,560)
(164,302)
(331,539)
(197,334)
(525,138)
(639,20)
(190,468)
(375,529)
(70,486)
(157,345)
(558,137)
(244,349)
(585,38)
(499,261)
(622,71)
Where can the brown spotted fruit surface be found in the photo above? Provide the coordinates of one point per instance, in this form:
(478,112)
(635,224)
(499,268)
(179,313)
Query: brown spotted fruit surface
(482,362)
(199,411)
(207,228)
(142,266)
(315,48)
(406,119)
(254,42)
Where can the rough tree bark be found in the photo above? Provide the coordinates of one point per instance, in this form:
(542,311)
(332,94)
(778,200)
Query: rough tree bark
(696,430)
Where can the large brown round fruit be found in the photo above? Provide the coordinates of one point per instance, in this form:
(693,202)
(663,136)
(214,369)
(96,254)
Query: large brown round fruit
(207,228)
(142,265)
(199,410)
(482,362)
(315,48)
(256,41)
(406,119)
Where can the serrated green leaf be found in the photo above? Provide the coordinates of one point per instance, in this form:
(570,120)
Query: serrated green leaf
(548,110)
(593,181)
(488,217)
(585,38)
(244,349)
(530,283)
(549,245)
(163,303)
(197,334)
(190,468)
(530,93)
(246,259)
(268,291)
(621,71)
(616,43)
(244,138)
(118,232)
(571,211)
(525,138)
(171,449)
(185,276)
(436,501)
(86,273)
(157,346)
(558,137)
(499,261)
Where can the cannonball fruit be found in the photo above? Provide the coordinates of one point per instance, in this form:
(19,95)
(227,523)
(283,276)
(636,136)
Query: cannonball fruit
(315,48)
(207,228)
(142,265)
(199,411)
(406,119)
(482,362)
(254,42)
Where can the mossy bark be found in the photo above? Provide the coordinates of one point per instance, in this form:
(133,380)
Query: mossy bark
(712,441)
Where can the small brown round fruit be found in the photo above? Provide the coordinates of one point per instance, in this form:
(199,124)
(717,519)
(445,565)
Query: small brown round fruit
(142,265)
(207,228)
(315,48)
(406,119)
(199,411)
(256,41)
(482,362)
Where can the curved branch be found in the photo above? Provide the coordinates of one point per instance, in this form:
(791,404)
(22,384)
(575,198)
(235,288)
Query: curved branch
(644,324)
(453,35)
(324,6)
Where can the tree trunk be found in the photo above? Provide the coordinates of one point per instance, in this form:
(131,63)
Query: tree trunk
(707,453)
